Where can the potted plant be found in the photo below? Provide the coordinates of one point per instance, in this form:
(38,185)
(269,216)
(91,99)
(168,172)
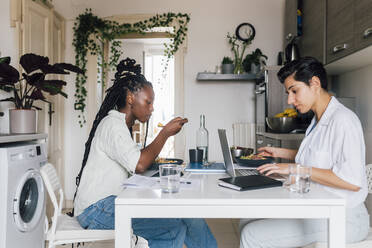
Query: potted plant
(30,86)
(238,47)
(253,61)
(227,65)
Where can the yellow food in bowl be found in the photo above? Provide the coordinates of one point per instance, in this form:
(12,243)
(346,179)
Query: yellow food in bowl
(160,124)
(164,161)
(253,157)
(289,112)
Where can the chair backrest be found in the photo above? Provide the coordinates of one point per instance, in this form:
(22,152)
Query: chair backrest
(369,177)
(52,184)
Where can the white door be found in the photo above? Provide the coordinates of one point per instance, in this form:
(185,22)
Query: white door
(42,33)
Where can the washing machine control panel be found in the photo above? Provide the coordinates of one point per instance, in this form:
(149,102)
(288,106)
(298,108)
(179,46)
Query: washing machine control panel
(30,152)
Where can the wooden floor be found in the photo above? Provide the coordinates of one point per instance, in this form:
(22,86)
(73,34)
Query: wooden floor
(226,232)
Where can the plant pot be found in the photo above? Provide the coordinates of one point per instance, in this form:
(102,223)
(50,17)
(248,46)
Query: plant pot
(22,121)
(255,69)
(227,68)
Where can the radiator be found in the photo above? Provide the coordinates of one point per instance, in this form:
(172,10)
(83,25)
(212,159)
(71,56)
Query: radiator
(244,134)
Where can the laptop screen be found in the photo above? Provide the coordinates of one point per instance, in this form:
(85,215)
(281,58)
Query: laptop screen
(226,152)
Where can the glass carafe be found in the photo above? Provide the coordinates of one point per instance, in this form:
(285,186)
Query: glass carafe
(202,139)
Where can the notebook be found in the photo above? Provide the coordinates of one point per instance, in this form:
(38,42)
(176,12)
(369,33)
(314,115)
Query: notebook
(241,182)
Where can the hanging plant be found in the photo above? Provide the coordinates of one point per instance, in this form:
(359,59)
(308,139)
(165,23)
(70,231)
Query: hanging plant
(91,32)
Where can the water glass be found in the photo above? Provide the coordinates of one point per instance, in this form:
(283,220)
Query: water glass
(170,176)
(298,178)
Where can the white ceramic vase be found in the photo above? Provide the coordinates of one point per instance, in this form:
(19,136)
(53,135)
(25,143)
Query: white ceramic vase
(22,121)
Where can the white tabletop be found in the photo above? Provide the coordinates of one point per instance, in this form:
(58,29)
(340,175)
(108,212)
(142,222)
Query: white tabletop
(210,193)
(212,201)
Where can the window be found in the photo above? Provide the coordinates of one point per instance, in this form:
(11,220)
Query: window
(163,84)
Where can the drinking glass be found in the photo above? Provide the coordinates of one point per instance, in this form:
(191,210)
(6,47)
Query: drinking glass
(170,176)
(298,178)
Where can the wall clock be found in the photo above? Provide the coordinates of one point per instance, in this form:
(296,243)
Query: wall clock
(245,32)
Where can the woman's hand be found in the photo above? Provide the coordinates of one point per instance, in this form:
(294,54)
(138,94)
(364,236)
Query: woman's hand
(277,152)
(174,126)
(269,151)
(268,169)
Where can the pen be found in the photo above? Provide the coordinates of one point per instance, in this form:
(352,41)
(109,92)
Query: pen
(185,182)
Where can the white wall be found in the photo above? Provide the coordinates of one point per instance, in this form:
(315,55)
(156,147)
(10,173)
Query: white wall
(8,47)
(358,84)
(223,103)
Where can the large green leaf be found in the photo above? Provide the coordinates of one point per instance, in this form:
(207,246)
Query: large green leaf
(8,74)
(5,60)
(36,95)
(34,78)
(9,99)
(32,62)
(69,67)
(51,69)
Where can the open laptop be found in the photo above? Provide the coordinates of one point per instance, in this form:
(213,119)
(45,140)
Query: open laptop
(231,168)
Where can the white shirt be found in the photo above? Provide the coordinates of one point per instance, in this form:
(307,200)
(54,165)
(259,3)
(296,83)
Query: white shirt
(337,143)
(113,154)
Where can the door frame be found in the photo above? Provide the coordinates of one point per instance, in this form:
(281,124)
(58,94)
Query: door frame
(93,105)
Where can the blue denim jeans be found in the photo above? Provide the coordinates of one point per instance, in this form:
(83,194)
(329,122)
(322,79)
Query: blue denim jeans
(160,233)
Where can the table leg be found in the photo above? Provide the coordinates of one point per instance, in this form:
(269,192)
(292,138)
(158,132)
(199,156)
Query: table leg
(336,228)
(123,227)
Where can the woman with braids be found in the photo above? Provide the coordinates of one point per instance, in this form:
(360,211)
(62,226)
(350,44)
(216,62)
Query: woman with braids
(111,156)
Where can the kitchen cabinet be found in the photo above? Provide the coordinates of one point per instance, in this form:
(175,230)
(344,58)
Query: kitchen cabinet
(312,41)
(362,24)
(332,29)
(340,29)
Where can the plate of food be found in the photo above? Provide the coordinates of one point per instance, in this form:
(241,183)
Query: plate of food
(159,161)
(254,160)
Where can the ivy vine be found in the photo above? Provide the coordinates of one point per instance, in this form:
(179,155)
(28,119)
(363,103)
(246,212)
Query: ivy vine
(91,32)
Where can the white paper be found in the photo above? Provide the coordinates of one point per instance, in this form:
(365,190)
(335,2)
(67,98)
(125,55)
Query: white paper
(138,181)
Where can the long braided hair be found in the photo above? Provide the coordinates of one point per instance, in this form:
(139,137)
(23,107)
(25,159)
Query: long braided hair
(127,78)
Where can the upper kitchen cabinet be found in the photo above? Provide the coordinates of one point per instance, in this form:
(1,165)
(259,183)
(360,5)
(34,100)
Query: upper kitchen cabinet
(333,31)
(340,29)
(362,24)
(290,22)
(312,41)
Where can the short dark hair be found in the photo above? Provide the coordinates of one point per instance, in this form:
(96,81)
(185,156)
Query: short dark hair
(303,70)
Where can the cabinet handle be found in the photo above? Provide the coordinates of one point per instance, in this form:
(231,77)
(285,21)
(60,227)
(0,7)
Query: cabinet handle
(340,47)
(367,32)
(289,36)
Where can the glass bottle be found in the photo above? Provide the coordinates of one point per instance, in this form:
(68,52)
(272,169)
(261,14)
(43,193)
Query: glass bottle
(202,139)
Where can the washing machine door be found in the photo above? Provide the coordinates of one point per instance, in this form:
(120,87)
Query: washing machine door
(29,201)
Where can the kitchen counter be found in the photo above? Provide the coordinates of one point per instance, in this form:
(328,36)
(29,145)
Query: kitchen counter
(283,136)
(9,138)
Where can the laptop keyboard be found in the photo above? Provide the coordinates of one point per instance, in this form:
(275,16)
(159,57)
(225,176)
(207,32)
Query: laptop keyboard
(242,172)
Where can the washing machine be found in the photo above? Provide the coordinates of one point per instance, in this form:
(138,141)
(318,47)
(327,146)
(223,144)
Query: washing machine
(22,195)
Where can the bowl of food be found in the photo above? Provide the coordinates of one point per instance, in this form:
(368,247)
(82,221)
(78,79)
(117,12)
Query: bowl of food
(281,124)
(254,160)
(237,151)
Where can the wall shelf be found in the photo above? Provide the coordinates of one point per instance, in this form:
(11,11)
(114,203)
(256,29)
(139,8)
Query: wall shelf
(9,138)
(208,76)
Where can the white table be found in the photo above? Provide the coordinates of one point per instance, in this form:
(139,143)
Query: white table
(213,201)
